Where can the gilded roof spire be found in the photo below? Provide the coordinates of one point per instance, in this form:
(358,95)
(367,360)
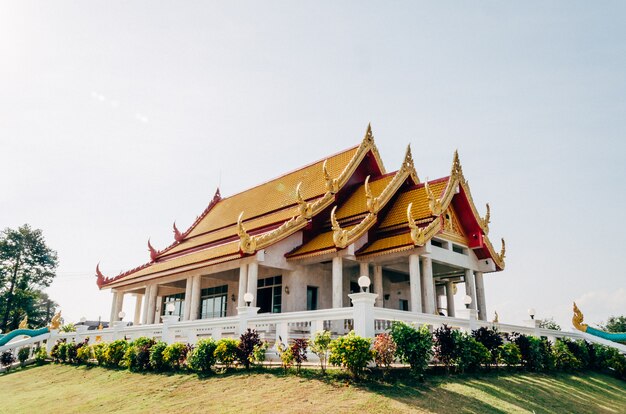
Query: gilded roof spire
(340,236)
(418,235)
(247,243)
(369,136)
(408,165)
(457,170)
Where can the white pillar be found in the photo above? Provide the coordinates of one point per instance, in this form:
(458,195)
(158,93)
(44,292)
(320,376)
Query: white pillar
(253,281)
(196,292)
(364,269)
(450,298)
(113,316)
(480,296)
(414,283)
(117,306)
(138,301)
(152,299)
(144,312)
(337,282)
(429,290)
(188,296)
(363,306)
(378,286)
(243,279)
(469,287)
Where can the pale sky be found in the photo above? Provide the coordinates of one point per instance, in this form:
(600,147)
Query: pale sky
(119,117)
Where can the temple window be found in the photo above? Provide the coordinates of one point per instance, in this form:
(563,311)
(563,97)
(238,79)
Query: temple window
(269,294)
(179,304)
(214,301)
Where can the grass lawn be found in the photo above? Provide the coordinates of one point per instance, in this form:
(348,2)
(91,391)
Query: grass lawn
(68,389)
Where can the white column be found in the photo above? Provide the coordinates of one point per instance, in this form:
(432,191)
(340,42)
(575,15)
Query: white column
(253,279)
(450,298)
(364,269)
(188,296)
(114,313)
(138,301)
(480,296)
(152,299)
(243,279)
(415,283)
(119,303)
(337,282)
(378,285)
(469,287)
(363,306)
(144,312)
(429,290)
(196,292)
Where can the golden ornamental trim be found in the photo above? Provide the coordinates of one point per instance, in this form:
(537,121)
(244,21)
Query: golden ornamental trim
(409,166)
(578,318)
(332,184)
(434,204)
(502,253)
(247,243)
(418,235)
(372,202)
(340,236)
(486,220)
(304,207)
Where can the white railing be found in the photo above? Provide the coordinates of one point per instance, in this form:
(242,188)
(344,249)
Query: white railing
(363,317)
(31,342)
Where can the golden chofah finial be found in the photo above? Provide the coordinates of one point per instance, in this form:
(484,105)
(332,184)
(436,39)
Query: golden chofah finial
(332,185)
(457,170)
(340,236)
(408,165)
(372,202)
(496,318)
(247,244)
(578,318)
(369,136)
(55,323)
(487,219)
(24,323)
(502,254)
(418,235)
(434,204)
(305,208)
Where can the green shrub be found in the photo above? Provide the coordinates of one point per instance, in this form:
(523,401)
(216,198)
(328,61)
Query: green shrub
(549,363)
(203,356)
(351,352)
(509,355)
(226,351)
(298,350)
(68,327)
(23,354)
(114,352)
(84,354)
(285,354)
(99,352)
(61,352)
(259,352)
(580,350)
(7,359)
(156,356)
(445,346)
(320,346)
(469,354)
(532,351)
(385,351)
(414,346)
(564,359)
(137,355)
(41,355)
(174,355)
(490,337)
(610,358)
(71,350)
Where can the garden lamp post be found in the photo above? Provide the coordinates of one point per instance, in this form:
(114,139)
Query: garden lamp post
(248,298)
(532,313)
(364,283)
(170,308)
(467,300)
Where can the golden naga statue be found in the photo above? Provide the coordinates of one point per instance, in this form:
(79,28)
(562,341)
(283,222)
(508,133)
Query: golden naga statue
(418,235)
(24,323)
(55,323)
(340,236)
(372,202)
(578,318)
(496,318)
(247,244)
(434,204)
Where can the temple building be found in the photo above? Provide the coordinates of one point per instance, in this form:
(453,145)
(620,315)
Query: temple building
(300,242)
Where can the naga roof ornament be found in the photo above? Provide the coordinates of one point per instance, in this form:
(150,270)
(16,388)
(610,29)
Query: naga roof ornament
(332,185)
(178,236)
(340,236)
(372,202)
(305,208)
(247,243)
(434,204)
(153,252)
(486,220)
(418,235)
(502,253)
(101,278)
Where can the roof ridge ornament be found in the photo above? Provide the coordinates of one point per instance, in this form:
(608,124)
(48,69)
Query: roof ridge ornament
(101,278)
(305,208)
(332,185)
(247,243)
(457,169)
(486,220)
(418,235)
(373,203)
(178,236)
(434,204)
(408,164)
(153,252)
(368,139)
(340,236)
(502,253)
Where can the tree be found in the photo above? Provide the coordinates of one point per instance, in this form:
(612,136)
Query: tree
(549,324)
(615,324)
(27,265)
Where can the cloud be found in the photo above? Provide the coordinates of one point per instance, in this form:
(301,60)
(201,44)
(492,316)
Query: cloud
(141,118)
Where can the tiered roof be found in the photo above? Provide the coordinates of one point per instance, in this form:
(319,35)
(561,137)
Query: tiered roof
(334,202)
